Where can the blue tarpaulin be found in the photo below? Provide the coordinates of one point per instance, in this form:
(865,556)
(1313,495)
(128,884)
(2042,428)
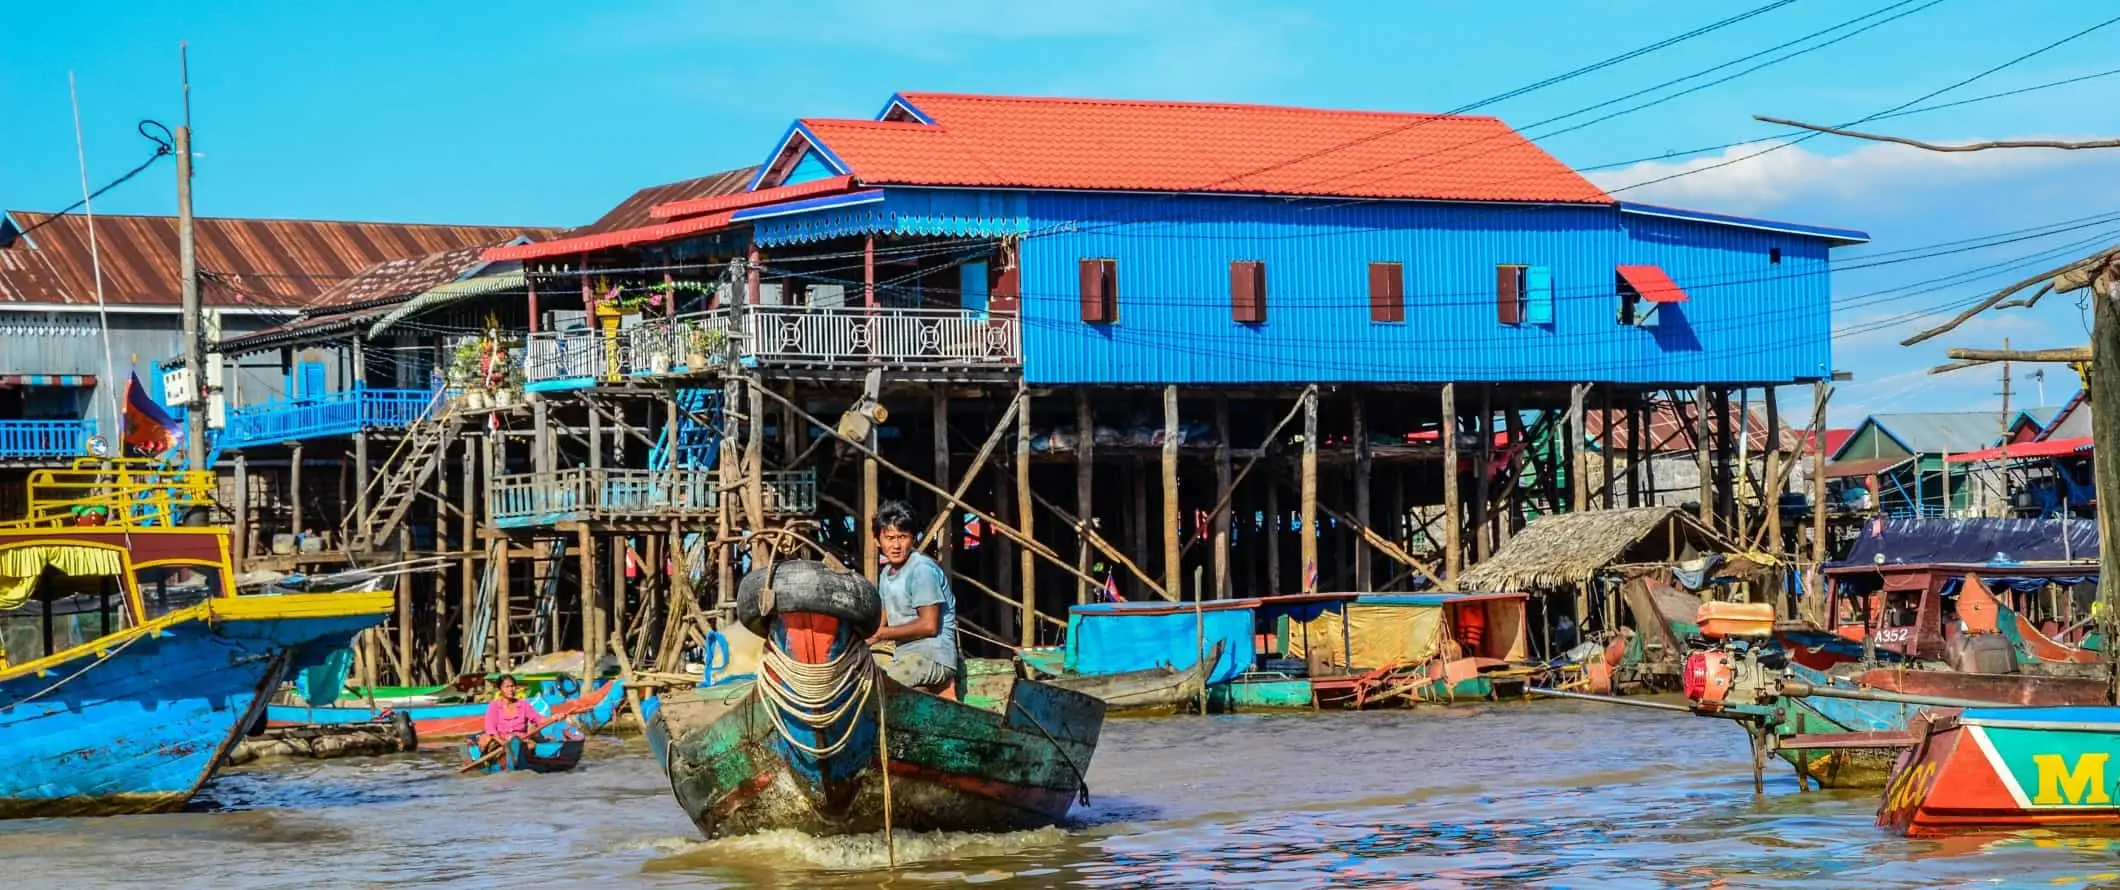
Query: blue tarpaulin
(1114,638)
(1974,541)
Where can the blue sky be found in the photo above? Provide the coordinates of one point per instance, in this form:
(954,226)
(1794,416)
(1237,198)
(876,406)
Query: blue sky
(547,113)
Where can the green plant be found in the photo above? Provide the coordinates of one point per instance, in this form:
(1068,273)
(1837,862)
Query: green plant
(709,341)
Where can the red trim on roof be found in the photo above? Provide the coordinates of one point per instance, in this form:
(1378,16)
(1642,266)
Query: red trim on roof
(1652,284)
(742,200)
(603,240)
(2048,448)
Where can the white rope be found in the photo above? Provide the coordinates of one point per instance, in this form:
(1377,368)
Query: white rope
(806,692)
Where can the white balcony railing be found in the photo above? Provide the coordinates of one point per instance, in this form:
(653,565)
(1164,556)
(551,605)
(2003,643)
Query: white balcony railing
(871,337)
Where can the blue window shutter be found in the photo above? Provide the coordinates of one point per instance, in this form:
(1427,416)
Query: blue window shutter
(971,287)
(311,383)
(1538,295)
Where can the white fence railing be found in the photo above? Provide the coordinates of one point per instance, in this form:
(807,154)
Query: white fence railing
(854,337)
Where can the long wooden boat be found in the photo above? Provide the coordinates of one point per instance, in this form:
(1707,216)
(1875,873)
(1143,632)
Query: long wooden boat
(137,718)
(2003,769)
(442,725)
(557,749)
(749,756)
(1156,689)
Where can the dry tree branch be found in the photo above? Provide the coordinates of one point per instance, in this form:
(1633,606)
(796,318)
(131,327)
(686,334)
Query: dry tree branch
(1989,303)
(1931,146)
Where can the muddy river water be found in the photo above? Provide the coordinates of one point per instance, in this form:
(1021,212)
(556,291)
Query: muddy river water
(1553,794)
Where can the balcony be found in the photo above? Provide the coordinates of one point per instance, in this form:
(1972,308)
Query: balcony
(522,500)
(330,414)
(831,338)
(44,439)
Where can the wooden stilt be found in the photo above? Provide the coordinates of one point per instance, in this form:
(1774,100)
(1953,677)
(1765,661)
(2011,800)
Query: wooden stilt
(1453,515)
(404,618)
(1085,482)
(1275,519)
(1483,474)
(585,551)
(360,479)
(243,523)
(1137,521)
(613,624)
(1359,420)
(1307,505)
(1026,519)
(1700,456)
(294,488)
(1770,497)
(1818,495)
(1513,422)
(468,567)
(1173,566)
(1222,497)
(1607,455)
(945,536)
(1635,434)
(1577,455)
(1725,498)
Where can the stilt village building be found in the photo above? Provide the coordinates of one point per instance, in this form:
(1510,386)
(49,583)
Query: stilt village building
(1135,349)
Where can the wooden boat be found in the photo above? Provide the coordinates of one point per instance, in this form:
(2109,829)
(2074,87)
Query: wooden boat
(817,755)
(1156,689)
(438,725)
(1263,690)
(2005,768)
(557,750)
(137,694)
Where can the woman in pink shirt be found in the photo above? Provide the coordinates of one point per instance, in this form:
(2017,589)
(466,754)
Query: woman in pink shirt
(509,715)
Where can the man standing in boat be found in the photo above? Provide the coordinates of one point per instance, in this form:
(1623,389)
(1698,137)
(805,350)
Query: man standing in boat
(919,612)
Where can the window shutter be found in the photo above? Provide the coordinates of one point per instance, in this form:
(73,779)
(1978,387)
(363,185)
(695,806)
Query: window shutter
(1002,286)
(1538,295)
(1099,291)
(1508,294)
(1387,292)
(1247,291)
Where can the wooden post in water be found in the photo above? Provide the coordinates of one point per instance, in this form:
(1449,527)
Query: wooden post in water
(2105,435)
(1360,422)
(945,538)
(1606,456)
(1483,536)
(585,552)
(1771,499)
(1274,520)
(1700,456)
(1222,496)
(1085,488)
(1026,519)
(1453,516)
(1818,502)
(243,525)
(1173,567)
(294,490)
(1308,492)
(1578,461)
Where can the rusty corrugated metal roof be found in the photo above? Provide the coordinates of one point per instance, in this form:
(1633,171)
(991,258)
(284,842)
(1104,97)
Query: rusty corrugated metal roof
(276,263)
(633,212)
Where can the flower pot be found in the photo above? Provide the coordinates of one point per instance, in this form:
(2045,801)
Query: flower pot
(659,363)
(696,360)
(475,399)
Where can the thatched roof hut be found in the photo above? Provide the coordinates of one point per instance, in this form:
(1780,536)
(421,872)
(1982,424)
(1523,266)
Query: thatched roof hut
(1566,551)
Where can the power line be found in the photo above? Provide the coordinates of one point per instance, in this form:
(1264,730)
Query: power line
(164,147)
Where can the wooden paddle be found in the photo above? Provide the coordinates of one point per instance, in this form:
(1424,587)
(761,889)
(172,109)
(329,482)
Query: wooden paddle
(498,749)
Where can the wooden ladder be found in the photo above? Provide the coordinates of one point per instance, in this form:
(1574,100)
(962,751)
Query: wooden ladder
(401,478)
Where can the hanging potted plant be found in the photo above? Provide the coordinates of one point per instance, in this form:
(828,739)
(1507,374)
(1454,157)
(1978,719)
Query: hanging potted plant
(705,346)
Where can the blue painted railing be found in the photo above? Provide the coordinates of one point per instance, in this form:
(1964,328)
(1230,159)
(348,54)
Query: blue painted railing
(331,414)
(45,438)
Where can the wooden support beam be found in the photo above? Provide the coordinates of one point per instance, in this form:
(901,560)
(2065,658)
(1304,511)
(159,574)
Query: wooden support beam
(405,617)
(993,522)
(1223,487)
(294,489)
(1383,545)
(1173,563)
(243,522)
(1359,420)
(1085,487)
(754,460)
(1275,518)
(1725,493)
(585,552)
(971,473)
(1093,539)
(1483,475)
(1513,423)
(1453,515)
(612,621)
(468,569)
(1700,456)
(1607,457)
(1307,505)
(1770,498)
(1258,454)
(1137,520)
(1027,516)
(981,587)
(940,436)
(1819,395)
(1578,458)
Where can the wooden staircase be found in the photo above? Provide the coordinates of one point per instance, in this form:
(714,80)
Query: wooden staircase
(400,479)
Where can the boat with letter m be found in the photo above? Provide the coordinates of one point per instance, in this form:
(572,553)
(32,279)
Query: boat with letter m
(131,667)
(823,742)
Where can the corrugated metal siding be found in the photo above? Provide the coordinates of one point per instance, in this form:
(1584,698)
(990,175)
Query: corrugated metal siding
(1174,326)
(942,213)
(72,343)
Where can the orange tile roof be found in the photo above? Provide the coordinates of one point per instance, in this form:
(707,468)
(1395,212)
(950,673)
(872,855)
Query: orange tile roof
(603,240)
(1014,142)
(761,197)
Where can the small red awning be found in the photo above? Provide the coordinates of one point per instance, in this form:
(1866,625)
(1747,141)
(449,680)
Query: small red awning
(2048,448)
(1652,284)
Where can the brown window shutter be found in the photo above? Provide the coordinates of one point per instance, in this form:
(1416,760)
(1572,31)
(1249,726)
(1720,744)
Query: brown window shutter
(1247,292)
(1099,291)
(1002,287)
(1508,294)
(1387,292)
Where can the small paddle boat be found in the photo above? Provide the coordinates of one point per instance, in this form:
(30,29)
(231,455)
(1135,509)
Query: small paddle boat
(558,749)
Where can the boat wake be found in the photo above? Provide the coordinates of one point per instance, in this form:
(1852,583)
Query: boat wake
(781,849)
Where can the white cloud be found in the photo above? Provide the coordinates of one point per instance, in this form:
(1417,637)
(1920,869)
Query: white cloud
(1772,173)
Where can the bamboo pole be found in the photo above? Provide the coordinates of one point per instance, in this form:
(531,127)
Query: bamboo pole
(1220,517)
(1085,468)
(1259,454)
(1093,539)
(1360,422)
(1700,456)
(986,452)
(941,440)
(1578,456)
(1819,395)
(981,587)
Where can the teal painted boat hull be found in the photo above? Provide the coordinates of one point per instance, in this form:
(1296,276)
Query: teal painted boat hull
(953,767)
(1262,694)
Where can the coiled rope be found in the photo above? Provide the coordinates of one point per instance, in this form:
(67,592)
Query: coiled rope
(816,695)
